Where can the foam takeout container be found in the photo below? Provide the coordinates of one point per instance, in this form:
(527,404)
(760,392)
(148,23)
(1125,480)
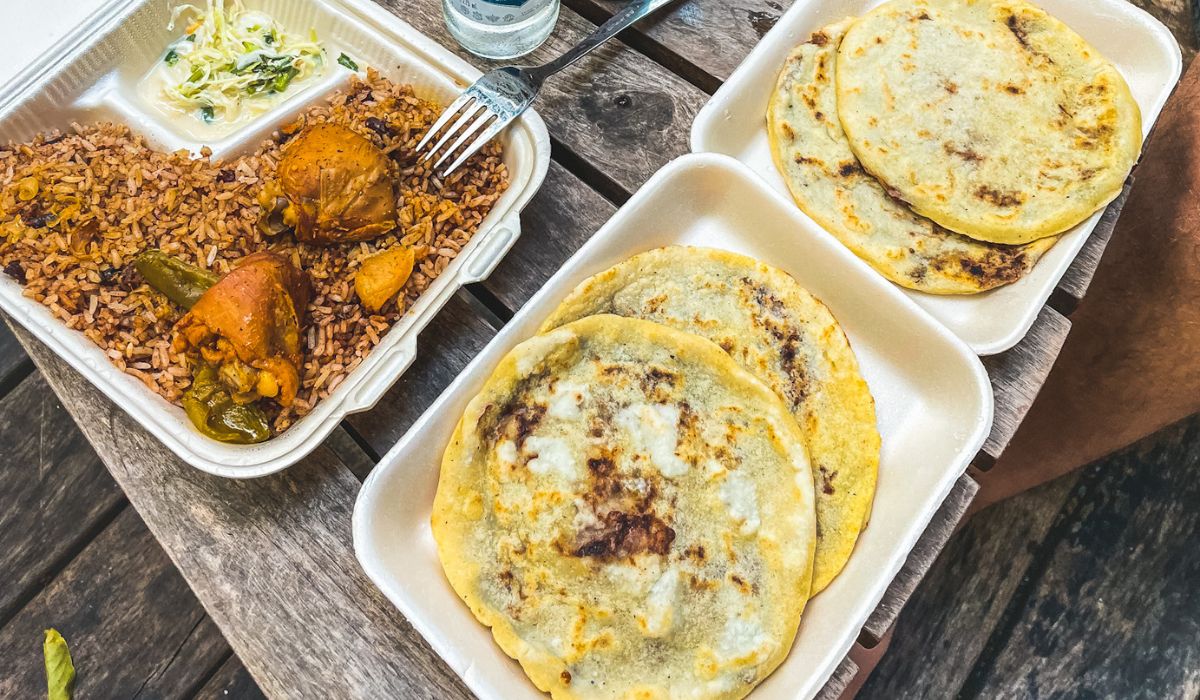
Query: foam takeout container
(932,396)
(92,75)
(734,123)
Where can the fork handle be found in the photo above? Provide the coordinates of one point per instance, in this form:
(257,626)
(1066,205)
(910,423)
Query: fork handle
(628,15)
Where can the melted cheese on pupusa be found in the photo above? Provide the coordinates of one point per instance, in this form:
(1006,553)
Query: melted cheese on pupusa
(552,456)
(566,400)
(654,430)
(658,611)
(741,499)
(636,489)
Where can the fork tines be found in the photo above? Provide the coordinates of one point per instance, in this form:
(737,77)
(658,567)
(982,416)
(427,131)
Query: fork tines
(474,114)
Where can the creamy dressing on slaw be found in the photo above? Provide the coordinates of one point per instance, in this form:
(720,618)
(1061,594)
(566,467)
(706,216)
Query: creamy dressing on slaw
(230,66)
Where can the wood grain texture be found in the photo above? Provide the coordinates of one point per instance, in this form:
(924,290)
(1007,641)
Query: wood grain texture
(1018,375)
(963,596)
(560,219)
(443,349)
(56,494)
(919,560)
(231,682)
(1112,610)
(836,686)
(271,559)
(133,627)
(715,36)
(617,111)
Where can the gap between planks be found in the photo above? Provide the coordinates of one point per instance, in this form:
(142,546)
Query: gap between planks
(964,595)
(230,680)
(132,622)
(302,575)
(641,38)
(46,474)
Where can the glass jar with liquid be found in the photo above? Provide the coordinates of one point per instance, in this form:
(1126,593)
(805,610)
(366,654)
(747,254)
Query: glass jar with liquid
(500,29)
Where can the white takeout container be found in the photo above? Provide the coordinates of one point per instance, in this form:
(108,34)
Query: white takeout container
(92,75)
(932,395)
(734,123)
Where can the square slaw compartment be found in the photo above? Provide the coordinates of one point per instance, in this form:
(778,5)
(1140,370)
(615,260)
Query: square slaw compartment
(734,123)
(92,75)
(932,395)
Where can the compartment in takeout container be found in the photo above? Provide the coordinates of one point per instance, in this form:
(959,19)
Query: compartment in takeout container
(734,123)
(932,395)
(92,75)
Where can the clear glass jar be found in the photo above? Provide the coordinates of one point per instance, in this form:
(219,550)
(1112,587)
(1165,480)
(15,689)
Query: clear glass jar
(500,29)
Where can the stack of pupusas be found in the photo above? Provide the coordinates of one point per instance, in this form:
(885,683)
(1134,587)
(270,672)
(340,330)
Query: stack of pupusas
(948,142)
(641,499)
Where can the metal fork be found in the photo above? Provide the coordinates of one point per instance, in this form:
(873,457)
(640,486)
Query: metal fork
(501,95)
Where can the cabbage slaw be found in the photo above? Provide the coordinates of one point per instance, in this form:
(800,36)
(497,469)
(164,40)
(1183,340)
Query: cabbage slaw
(233,63)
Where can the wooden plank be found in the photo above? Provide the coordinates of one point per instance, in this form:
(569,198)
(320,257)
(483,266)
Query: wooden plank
(1017,376)
(133,626)
(56,495)
(271,559)
(443,349)
(714,36)
(231,682)
(1111,611)
(919,560)
(842,676)
(1078,277)
(14,364)
(617,112)
(946,624)
(560,219)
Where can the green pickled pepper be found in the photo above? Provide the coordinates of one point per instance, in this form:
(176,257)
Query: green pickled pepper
(214,413)
(182,283)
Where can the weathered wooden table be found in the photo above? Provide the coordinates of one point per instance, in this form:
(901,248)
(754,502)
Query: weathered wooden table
(272,559)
